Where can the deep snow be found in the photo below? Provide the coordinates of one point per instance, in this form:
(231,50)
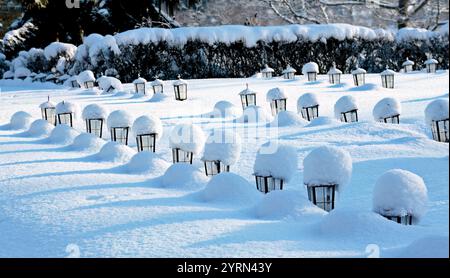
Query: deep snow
(53,194)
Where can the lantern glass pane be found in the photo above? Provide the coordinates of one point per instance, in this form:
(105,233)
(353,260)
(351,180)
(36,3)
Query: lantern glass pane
(65,119)
(391,120)
(146,142)
(322,196)
(267,75)
(408,68)
(140,88)
(266,184)
(179,155)
(431,68)
(75,84)
(49,114)
(440,130)
(335,78)
(277,105)
(404,220)
(215,167)
(349,116)
(157,89)
(359,79)
(309,113)
(94,126)
(120,135)
(89,84)
(312,76)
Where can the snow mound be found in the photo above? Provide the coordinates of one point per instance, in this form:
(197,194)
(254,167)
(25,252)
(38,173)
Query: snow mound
(223,145)
(20,120)
(436,110)
(344,104)
(39,128)
(119,118)
(62,134)
(327,165)
(322,121)
(229,188)
(187,137)
(147,125)
(115,152)
(183,176)
(426,247)
(254,114)
(387,107)
(400,192)
(307,100)
(85,76)
(146,163)
(275,93)
(288,118)
(67,107)
(94,111)
(87,142)
(310,67)
(276,160)
(158,97)
(280,204)
(224,109)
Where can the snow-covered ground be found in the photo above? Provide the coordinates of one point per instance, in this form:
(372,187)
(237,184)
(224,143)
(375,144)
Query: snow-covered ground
(60,200)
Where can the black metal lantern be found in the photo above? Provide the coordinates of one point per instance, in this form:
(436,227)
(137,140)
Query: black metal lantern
(214,167)
(431,67)
(359,76)
(74,83)
(391,120)
(408,65)
(89,84)
(139,87)
(267,72)
(146,142)
(323,195)
(266,184)
(440,130)
(180,89)
(278,105)
(178,155)
(49,114)
(95,126)
(157,86)
(65,119)
(309,113)
(349,116)
(289,73)
(387,78)
(247,98)
(120,134)
(334,78)
(404,219)
(312,76)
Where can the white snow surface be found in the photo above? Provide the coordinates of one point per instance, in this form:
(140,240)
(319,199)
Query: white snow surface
(344,104)
(146,163)
(276,160)
(114,152)
(387,107)
(437,110)
(275,93)
(327,165)
(87,142)
(148,124)
(94,111)
(288,118)
(119,118)
(224,109)
(399,192)
(62,135)
(187,137)
(39,128)
(310,67)
(223,145)
(21,72)
(289,69)
(139,80)
(387,71)
(254,114)
(107,82)
(431,61)
(53,195)
(307,100)
(334,70)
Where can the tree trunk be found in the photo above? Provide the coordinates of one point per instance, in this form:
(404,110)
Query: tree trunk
(403,14)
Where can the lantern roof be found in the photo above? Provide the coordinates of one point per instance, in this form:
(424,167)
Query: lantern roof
(387,71)
(267,69)
(310,67)
(437,110)
(139,80)
(276,93)
(289,69)
(408,62)
(359,70)
(431,61)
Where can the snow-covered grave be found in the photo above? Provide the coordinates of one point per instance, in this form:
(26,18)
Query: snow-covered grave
(61,186)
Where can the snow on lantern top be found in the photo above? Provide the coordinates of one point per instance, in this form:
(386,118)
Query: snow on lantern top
(289,69)
(94,111)
(157,82)
(267,69)
(310,67)
(47,104)
(187,137)
(387,107)
(85,76)
(344,104)
(359,70)
(119,118)
(276,160)
(327,165)
(224,146)
(437,110)
(334,70)
(66,107)
(431,61)
(179,82)
(398,193)
(307,100)
(387,71)
(147,124)
(408,62)
(275,94)
(139,80)
(247,91)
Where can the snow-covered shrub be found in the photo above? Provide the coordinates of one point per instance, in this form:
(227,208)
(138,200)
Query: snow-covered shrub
(400,193)
(39,128)
(288,118)
(188,138)
(321,121)
(114,152)
(87,142)
(62,134)
(386,108)
(21,73)
(254,114)
(36,61)
(224,146)
(183,176)
(229,188)
(146,163)
(4,65)
(346,108)
(20,120)
(60,56)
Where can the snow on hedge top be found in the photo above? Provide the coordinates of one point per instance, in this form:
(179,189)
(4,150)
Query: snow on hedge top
(387,71)
(344,104)
(358,71)
(148,124)
(119,118)
(275,93)
(85,76)
(307,100)
(387,107)
(179,82)
(139,80)
(21,72)
(431,61)
(437,110)
(247,91)
(267,69)
(398,192)
(66,107)
(47,104)
(408,34)
(289,69)
(310,67)
(223,145)
(327,165)
(94,111)
(54,49)
(408,62)
(278,161)
(187,137)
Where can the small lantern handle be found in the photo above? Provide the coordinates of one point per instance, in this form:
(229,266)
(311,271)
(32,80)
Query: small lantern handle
(246,84)
(48,98)
(334,64)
